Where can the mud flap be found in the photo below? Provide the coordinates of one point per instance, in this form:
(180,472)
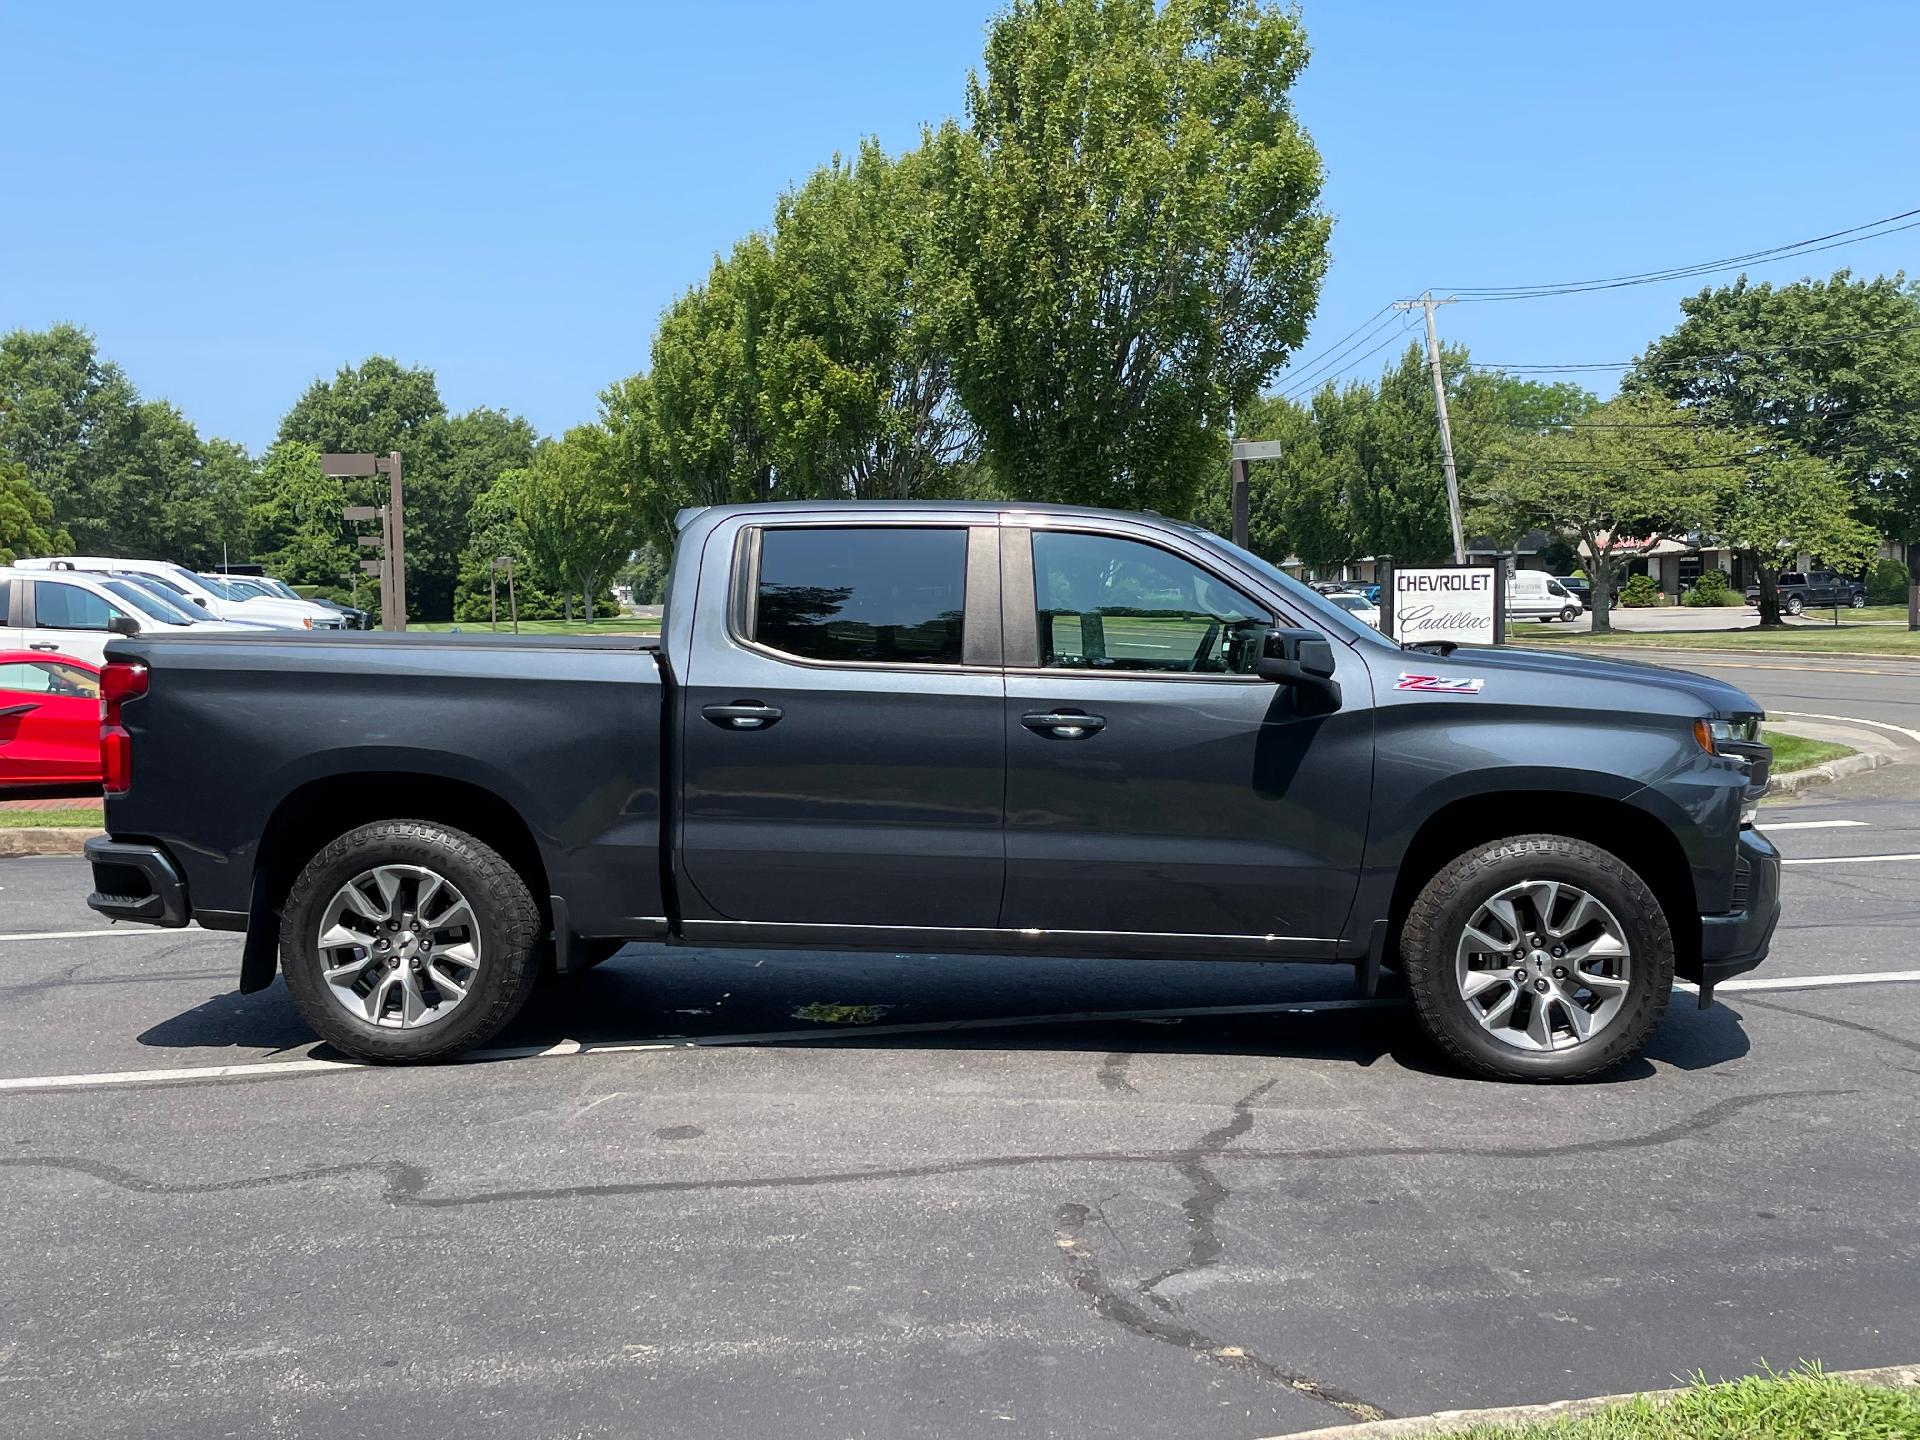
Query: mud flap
(1366,970)
(260,960)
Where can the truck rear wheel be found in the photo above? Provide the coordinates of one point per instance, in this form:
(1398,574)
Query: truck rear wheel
(406,941)
(1538,957)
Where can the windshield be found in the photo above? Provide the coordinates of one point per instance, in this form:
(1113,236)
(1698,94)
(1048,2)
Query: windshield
(277,587)
(224,590)
(1351,602)
(245,589)
(147,603)
(1302,598)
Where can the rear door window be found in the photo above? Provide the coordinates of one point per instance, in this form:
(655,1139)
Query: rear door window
(888,595)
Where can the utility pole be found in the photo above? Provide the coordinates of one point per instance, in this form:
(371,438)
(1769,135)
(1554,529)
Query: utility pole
(1427,302)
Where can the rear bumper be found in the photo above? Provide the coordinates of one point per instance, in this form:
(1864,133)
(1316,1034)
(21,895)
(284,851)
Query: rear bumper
(1734,943)
(136,881)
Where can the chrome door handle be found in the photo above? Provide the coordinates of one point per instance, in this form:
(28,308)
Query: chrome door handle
(743,715)
(1064,724)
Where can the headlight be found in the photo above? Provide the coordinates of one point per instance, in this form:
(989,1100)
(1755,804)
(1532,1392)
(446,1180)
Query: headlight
(1713,735)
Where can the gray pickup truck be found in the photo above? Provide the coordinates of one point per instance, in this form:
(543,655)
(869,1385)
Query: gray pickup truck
(1817,589)
(945,727)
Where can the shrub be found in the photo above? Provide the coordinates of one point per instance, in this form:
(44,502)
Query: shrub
(1887,583)
(1709,589)
(1640,592)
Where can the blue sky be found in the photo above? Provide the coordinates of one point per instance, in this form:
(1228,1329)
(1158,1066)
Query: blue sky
(238,199)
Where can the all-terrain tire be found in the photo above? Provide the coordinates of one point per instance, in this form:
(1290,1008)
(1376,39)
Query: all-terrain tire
(1448,901)
(507,920)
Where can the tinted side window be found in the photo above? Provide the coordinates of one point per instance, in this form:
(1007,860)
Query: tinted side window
(68,607)
(1110,604)
(892,595)
(5,589)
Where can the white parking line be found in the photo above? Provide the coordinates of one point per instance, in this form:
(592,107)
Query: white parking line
(144,931)
(1848,859)
(268,1069)
(1810,825)
(1913,735)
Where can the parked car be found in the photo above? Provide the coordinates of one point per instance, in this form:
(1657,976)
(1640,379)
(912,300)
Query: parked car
(945,727)
(1372,592)
(352,617)
(1358,606)
(1331,587)
(254,596)
(49,725)
(1816,588)
(73,612)
(194,589)
(1536,595)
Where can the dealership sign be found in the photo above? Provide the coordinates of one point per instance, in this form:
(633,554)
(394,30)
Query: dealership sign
(1444,604)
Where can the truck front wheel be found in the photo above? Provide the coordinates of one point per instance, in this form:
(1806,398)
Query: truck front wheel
(407,941)
(1538,957)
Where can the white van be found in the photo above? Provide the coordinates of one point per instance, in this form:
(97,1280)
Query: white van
(74,613)
(276,614)
(1536,595)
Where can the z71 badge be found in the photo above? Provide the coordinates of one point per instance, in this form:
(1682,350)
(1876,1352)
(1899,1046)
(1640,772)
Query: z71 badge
(1447,684)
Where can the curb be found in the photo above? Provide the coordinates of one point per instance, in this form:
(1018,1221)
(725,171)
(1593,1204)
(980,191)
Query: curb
(1750,651)
(45,840)
(1855,764)
(1442,1422)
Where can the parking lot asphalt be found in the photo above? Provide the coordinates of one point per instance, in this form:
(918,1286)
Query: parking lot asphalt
(693,1200)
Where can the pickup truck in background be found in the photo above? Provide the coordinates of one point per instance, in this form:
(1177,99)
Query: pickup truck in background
(1813,588)
(945,727)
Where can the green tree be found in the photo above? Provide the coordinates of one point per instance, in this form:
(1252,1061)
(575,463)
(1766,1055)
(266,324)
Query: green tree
(576,518)
(1132,236)
(67,417)
(377,406)
(1828,367)
(859,386)
(296,523)
(1785,505)
(26,517)
(709,427)
(494,531)
(1632,468)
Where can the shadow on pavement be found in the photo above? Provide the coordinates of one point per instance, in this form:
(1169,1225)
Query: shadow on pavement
(825,998)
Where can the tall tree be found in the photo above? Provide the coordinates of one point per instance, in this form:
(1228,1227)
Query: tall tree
(1785,504)
(67,417)
(1828,367)
(1632,468)
(859,384)
(711,430)
(381,405)
(1133,236)
(295,519)
(26,517)
(576,518)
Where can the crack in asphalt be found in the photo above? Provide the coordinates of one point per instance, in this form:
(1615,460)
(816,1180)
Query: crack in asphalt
(1875,1031)
(408,1183)
(1203,1202)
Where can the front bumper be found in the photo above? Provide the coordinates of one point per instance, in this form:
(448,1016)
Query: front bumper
(136,881)
(1734,943)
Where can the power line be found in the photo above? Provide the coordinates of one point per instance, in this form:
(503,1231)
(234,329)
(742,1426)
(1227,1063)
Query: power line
(1307,377)
(1694,361)
(1355,363)
(1853,235)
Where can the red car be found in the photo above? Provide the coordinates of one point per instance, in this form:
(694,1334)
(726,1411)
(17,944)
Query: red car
(49,724)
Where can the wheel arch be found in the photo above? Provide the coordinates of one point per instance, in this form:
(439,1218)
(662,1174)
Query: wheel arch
(1636,838)
(322,809)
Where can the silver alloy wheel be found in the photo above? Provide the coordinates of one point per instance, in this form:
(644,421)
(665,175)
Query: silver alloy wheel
(1543,965)
(399,946)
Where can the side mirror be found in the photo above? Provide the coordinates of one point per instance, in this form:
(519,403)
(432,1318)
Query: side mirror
(1302,658)
(124,625)
(201,601)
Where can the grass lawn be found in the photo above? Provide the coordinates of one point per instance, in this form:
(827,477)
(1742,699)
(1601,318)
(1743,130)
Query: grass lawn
(622,625)
(38,819)
(1795,752)
(1842,640)
(1799,1406)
